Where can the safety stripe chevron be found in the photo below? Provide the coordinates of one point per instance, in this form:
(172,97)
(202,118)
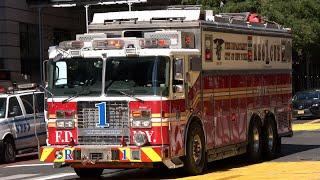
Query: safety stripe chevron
(151,153)
(45,153)
(147,154)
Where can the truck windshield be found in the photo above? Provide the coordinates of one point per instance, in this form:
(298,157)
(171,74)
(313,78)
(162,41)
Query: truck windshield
(75,76)
(2,107)
(137,75)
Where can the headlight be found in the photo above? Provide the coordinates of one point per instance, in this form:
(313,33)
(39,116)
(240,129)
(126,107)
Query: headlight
(146,123)
(140,139)
(141,123)
(68,124)
(136,123)
(141,118)
(64,114)
(60,124)
(65,124)
(316,105)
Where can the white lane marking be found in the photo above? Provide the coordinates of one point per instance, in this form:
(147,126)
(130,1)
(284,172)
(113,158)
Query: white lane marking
(29,165)
(55,176)
(18,176)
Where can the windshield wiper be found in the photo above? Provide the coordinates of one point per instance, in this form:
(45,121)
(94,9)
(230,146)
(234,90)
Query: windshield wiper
(80,93)
(126,94)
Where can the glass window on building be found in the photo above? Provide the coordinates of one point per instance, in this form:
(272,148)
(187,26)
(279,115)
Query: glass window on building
(29,49)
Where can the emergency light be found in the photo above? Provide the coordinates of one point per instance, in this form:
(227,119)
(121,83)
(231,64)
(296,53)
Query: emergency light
(108,44)
(156,43)
(71,45)
(27,86)
(2,90)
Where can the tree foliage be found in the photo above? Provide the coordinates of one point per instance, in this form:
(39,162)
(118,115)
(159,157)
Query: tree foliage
(302,16)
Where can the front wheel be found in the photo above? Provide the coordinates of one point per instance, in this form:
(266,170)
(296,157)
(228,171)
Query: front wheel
(195,159)
(88,172)
(9,151)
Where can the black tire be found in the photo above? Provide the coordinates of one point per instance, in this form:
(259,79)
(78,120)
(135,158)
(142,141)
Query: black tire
(88,172)
(254,148)
(195,164)
(279,145)
(9,151)
(270,139)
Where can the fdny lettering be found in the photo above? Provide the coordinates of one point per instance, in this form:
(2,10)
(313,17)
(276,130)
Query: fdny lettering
(63,136)
(103,122)
(68,154)
(148,134)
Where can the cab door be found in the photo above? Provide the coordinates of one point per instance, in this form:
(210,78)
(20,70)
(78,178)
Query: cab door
(177,106)
(17,122)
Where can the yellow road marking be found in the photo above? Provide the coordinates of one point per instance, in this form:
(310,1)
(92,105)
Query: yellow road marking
(305,127)
(267,170)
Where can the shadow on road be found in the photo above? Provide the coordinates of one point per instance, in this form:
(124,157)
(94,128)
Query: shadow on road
(288,149)
(23,158)
(216,166)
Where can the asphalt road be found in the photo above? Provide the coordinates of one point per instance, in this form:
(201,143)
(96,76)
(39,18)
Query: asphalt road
(300,158)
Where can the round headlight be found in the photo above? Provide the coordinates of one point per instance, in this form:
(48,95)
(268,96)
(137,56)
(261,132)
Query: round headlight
(146,123)
(140,139)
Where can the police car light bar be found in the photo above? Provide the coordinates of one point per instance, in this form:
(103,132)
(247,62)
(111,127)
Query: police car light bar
(71,45)
(27,86)
(2,90)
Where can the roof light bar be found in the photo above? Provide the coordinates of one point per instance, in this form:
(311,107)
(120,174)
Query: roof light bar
(27,86)
(71,45)
(108,44)
(156,43)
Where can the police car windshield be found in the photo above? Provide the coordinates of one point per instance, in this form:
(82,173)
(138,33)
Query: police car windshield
(2,107)
(137,75)
(71,76)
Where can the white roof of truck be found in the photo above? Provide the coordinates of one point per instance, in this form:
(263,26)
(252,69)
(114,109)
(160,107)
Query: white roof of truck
(186,15)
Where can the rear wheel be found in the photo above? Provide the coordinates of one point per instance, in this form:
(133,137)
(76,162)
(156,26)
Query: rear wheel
(9,150)
(88,172)
(270,140)
(195,159)
(255,141)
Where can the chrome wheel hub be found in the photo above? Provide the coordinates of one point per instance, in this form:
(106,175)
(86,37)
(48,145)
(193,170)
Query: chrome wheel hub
(270,137)
(256,139)
(9,151)
(197,149)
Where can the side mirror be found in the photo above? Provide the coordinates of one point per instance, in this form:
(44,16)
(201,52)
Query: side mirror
(178,88)
(45,70)
(178,69)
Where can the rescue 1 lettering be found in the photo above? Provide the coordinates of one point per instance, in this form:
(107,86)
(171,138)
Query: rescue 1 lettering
(63,136)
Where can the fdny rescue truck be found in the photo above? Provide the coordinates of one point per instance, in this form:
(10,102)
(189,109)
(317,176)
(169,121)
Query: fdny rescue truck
(175,87)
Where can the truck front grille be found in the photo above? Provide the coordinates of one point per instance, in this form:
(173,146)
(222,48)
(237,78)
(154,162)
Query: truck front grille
(89,133)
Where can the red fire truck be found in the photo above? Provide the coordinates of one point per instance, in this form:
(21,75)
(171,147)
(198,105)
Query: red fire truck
(178,87)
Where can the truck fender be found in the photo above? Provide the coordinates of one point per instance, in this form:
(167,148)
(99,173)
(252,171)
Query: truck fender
(192,118)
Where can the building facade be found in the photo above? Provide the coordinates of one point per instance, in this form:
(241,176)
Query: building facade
(21,51)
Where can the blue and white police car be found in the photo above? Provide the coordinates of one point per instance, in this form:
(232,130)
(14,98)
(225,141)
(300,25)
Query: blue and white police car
(22,122)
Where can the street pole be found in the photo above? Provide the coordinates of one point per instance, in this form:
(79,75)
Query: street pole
(87,18)
(129,4)
(40,41)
